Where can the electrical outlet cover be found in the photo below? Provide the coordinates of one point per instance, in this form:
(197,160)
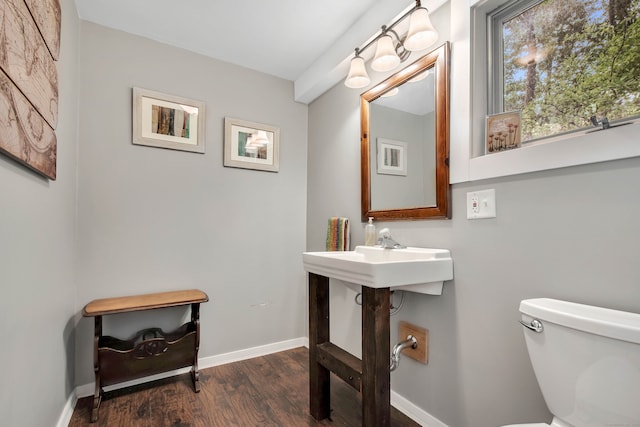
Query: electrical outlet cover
(481,204)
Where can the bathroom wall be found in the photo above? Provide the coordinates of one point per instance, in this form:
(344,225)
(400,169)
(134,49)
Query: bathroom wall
(152,219)
(412,129)
(37,265)
(569,233)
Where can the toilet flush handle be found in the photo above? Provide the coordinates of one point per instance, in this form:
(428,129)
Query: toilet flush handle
(535,325)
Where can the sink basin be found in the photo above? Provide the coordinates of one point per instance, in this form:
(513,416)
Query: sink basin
(420,270)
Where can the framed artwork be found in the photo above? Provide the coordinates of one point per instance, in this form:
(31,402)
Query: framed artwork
(251,145)
(29,83)
(167,121)
(24,135)
(502,132)
(392,157)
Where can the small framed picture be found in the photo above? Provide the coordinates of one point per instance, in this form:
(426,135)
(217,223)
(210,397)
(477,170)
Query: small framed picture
(167,121)
(503,132)
(392,157)
(251,145)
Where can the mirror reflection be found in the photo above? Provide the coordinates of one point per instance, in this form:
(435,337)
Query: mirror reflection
(405,142)
(402,124)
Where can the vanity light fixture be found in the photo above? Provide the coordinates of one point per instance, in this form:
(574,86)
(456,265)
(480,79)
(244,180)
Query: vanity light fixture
(358,76)
(388,56)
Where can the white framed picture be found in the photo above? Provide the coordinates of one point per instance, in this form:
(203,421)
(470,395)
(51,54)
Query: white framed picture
(503,132)
(392,157)
(251,145)
(167,121)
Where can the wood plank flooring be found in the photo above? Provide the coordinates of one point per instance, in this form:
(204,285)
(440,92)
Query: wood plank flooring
(271,390)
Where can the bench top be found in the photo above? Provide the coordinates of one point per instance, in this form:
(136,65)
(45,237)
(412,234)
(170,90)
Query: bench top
(104,306)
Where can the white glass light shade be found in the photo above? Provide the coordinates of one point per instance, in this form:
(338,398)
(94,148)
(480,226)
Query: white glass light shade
(421,33)
(386,57)
(358,76)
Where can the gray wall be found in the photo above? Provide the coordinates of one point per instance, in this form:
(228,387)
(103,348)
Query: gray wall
(144,219)
(152,219)
(412,129)
(570,234)
(37,265)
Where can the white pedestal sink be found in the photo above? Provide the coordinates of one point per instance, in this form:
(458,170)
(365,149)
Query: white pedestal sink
(420,270)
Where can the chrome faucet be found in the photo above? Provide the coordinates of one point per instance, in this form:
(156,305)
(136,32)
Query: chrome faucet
(386,241)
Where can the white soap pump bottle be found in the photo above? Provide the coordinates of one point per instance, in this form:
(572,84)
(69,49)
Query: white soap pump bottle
(370,233)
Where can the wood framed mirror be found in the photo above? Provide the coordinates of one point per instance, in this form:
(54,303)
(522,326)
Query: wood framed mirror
(404,142)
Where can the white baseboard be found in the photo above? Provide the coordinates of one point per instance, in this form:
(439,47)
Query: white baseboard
(399,402)
(67,411)
(250,353)
(414,412)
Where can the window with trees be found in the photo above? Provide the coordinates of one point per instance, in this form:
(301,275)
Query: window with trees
(560,62)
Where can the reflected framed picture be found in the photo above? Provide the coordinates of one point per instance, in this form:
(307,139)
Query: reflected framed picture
(167,121)
(392,157)
(503,132)
(251,145)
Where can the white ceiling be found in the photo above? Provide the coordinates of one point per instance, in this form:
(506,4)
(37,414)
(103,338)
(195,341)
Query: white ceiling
(306,41)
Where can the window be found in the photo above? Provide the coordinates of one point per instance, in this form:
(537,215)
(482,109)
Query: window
(560,62)
(469,106)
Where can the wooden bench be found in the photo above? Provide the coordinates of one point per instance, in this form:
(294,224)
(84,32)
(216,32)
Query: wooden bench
(150,351)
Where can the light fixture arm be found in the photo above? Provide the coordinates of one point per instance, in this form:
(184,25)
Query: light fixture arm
(372,41)
(385,29)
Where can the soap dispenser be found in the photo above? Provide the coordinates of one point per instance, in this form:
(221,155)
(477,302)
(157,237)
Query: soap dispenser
(370,233)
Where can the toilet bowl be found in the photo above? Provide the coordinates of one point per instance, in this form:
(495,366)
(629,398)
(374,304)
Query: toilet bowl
(586,360)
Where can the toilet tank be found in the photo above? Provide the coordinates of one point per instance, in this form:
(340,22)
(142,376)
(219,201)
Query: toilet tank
(586,360)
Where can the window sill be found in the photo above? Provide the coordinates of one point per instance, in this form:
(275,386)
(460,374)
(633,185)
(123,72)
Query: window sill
(572,150)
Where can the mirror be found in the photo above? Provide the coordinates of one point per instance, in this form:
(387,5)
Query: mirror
(405,142)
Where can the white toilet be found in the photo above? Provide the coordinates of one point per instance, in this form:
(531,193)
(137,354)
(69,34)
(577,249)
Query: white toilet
(586,360)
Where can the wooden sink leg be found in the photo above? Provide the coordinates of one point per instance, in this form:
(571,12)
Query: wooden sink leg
(319,376)
(376,376)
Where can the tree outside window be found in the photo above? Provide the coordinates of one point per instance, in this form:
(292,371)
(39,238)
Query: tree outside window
(563,61)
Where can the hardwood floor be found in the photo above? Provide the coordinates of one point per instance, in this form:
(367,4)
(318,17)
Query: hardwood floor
(271,390)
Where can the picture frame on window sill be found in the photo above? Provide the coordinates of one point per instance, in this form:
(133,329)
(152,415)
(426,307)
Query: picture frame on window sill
(250,145)
(168,121)
(503,132)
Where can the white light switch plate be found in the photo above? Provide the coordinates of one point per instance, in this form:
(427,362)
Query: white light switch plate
(481,204)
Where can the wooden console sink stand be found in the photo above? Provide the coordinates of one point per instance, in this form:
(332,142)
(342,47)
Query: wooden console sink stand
(150,351)
(371,375)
